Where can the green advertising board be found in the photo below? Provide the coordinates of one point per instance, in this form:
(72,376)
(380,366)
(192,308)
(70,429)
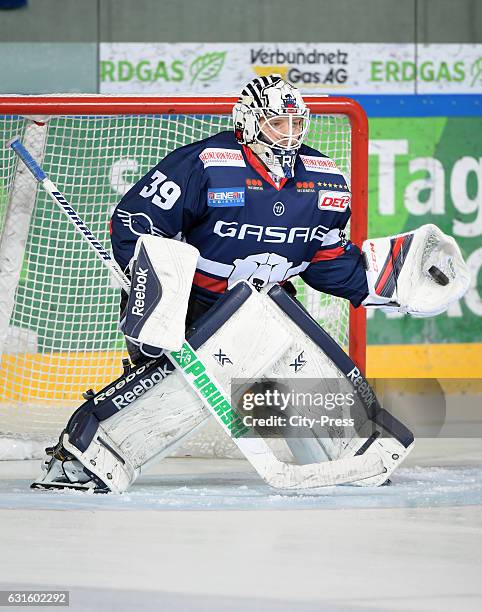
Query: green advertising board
(429,170)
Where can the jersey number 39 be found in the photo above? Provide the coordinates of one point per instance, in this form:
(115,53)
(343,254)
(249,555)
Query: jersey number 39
(162,193)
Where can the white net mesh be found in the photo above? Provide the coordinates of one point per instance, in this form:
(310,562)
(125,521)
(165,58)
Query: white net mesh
(61,335)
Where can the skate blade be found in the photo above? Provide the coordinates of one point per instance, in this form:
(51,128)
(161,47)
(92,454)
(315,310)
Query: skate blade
(50,486)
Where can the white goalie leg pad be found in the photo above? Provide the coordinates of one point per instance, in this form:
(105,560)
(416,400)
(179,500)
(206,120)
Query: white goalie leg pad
(105,462)
(236,349)
(332,442)
(305,360)
(391,452)
(156,423)
(419,273)
(149,428)
(162,275)
(139,433)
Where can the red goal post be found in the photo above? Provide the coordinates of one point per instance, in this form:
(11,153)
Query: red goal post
(78,106)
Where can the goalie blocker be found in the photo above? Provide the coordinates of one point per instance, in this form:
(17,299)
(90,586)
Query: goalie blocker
(146,413)
(162,272)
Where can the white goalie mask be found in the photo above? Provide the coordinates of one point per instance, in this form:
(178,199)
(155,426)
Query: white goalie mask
(272,119)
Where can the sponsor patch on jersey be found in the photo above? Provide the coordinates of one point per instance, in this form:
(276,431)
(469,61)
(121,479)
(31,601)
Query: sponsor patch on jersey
(276,234)
(224,196)
(256,184)
(333,200)
(319,164)
(222,157)
(305,186)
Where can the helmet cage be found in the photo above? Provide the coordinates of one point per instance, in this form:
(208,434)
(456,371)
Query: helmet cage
(269,131)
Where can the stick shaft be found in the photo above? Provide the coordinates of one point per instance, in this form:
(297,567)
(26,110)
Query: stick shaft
(39,174)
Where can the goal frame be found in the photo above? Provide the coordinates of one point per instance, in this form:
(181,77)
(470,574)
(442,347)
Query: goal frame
(186,105)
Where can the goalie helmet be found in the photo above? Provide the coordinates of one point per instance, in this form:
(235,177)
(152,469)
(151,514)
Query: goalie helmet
(272,119)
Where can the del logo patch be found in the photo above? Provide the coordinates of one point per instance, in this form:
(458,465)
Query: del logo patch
(222,197)
(333,200)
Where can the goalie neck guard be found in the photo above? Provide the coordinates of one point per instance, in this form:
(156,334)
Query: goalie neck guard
(271,118)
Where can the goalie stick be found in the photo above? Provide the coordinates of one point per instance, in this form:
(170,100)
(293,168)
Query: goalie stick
(273,471)
(16,145)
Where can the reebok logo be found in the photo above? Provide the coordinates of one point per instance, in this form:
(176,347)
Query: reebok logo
(362,388)
(124,399)
(139,292)
(100,397)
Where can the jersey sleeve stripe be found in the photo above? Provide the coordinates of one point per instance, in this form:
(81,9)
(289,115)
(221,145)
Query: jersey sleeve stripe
(211,284)
(325,254)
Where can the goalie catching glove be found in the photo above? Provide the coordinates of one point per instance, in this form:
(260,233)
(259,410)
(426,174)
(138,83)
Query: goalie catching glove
(418,273)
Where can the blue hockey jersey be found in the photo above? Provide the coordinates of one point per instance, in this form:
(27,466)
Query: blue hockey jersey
(216,195)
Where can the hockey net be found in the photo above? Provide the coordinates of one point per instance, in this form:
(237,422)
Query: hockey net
(58,309)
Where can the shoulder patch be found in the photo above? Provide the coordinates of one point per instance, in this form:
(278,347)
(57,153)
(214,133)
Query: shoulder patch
(319,164)
(222,157)
(333,200)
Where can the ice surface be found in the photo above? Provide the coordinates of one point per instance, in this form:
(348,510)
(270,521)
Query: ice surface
(239,488)
(208,535)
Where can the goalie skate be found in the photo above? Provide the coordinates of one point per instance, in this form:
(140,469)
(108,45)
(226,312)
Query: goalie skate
(63,471)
